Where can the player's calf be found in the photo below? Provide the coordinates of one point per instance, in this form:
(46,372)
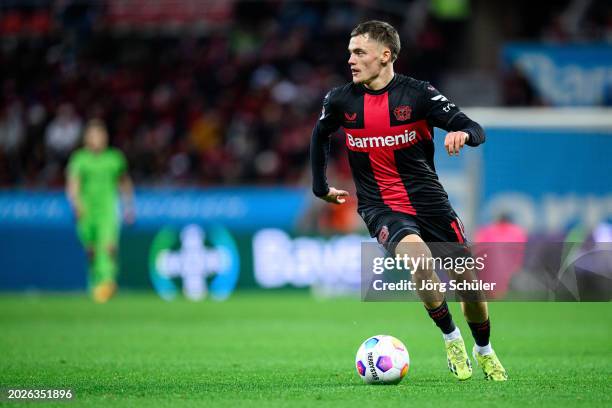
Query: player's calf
(483,352)
(456,355)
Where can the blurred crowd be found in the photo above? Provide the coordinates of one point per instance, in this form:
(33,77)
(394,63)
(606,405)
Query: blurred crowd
(233,103)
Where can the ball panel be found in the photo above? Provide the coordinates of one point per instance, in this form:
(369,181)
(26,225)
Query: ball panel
(398,344)
(361,369)
(371,343)
(404,371)
(384,363)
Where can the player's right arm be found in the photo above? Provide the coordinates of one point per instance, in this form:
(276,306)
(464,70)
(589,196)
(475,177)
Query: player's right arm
(73,185)
(320,143)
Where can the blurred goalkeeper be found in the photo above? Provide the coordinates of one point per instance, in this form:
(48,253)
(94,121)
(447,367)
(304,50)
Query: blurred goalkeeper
(95,174)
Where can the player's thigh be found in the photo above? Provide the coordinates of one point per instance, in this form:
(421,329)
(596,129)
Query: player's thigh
(413,246)
(447,241)
(405,236)
(444,235)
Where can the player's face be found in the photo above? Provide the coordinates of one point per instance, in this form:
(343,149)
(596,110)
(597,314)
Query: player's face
(366,58)
(96,138)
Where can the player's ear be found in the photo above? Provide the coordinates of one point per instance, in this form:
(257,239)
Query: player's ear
(386,56)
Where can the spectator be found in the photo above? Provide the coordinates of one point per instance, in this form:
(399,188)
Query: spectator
(504,244)
(12,137)
(63,133)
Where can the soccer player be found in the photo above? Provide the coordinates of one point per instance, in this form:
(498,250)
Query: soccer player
(388,120)
(95,173)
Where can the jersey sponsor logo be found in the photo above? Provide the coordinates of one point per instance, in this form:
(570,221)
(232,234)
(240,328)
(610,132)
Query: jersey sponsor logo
(350,117)
(440,98)
(406,138)
(402,113)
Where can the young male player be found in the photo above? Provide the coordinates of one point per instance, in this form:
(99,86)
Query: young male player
(94,175)
(388,119)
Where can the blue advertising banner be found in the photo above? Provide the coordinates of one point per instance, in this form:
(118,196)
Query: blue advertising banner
(33,259)
(548,180)
(565,75)
(189,229)
(236,208)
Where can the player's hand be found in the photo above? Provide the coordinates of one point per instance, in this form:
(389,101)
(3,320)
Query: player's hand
(335,196)
(77,208)
(454,142)
(129,216)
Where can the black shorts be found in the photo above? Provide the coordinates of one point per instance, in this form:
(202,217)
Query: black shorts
(390,227)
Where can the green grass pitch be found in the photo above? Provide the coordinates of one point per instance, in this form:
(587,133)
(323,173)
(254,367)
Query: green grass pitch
(287,349)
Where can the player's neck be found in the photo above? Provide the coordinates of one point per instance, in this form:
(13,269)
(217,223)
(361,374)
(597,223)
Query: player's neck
(381,80)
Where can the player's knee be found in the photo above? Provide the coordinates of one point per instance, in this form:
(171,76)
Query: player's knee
(90,253)
(422,273)
(413,246)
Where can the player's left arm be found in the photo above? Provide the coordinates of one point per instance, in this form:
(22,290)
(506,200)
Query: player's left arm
(126,188)
(444,114)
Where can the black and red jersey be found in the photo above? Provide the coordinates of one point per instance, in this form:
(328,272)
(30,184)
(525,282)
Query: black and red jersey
(389,137)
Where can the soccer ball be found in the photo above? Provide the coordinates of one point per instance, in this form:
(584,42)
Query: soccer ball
(382,359)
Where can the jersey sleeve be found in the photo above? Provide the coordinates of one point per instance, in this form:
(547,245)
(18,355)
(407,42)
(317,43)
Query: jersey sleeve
(326,125)
(442,113)
(73,169)
(121,163)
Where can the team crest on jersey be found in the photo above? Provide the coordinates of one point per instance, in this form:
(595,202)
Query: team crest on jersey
(402,113)
(350,117)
